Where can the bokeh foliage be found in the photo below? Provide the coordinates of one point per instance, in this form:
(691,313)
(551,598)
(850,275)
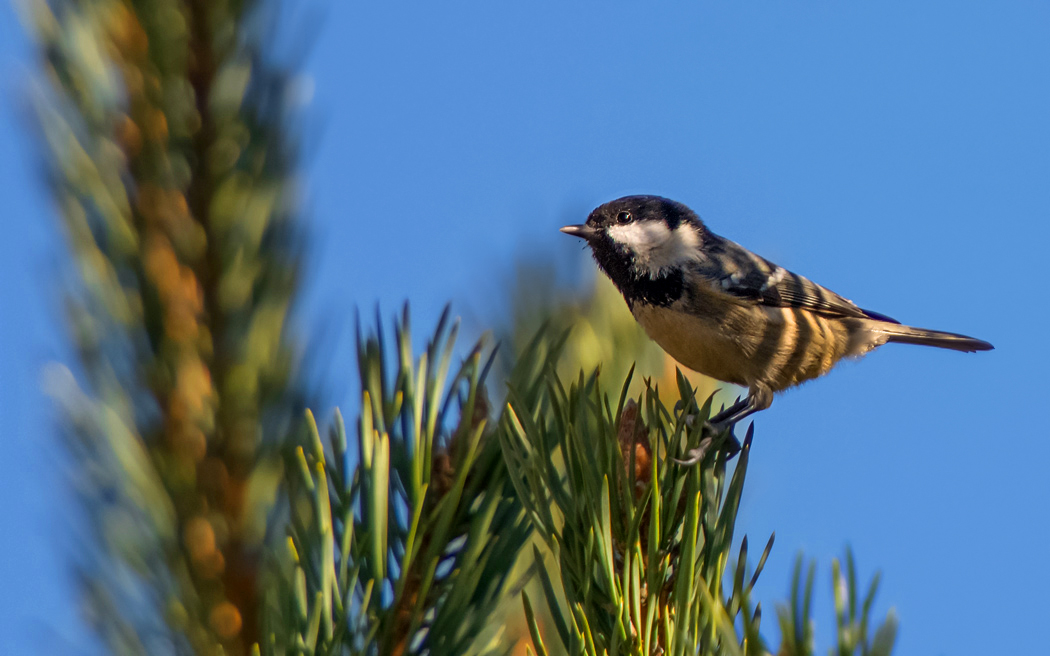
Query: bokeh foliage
(853,635)
(598,328)
(171,164)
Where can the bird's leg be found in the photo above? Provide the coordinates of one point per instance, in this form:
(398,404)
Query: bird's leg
(758,398)
(690,419)
(740,404)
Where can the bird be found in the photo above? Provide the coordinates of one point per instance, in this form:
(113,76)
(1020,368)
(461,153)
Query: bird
(725,312)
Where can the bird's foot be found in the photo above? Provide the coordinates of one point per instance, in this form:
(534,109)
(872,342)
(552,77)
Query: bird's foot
(717,433)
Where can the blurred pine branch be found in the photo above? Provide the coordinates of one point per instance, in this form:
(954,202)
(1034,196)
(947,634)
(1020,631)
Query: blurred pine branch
(852,622)
(171,164)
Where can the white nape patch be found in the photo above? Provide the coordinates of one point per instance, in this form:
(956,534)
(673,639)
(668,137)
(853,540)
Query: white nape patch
(656,247)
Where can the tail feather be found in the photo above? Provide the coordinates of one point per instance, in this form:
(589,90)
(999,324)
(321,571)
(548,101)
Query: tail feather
(910,335)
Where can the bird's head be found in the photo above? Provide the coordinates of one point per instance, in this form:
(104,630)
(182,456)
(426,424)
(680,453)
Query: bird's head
(641,237)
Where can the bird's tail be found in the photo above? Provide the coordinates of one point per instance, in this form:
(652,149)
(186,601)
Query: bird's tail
(909,335)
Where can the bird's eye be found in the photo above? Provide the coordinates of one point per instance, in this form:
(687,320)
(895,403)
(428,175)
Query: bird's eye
(623,217)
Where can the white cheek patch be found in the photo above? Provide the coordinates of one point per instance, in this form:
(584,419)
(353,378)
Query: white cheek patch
(657,248)
(641,236)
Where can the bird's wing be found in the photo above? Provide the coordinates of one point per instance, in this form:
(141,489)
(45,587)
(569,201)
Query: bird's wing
(736,271)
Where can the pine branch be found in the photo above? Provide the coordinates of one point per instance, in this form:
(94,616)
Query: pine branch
(642,545)
(170,165)
(405,541)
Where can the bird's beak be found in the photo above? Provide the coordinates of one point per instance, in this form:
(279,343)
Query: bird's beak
(583,231)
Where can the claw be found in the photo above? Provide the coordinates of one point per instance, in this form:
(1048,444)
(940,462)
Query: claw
(694,456)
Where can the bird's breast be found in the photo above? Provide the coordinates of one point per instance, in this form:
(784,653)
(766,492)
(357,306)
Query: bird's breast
(702,343)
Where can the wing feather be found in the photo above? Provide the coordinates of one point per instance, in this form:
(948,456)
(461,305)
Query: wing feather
(736,271)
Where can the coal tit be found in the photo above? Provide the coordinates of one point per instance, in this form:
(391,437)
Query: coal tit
(723,311)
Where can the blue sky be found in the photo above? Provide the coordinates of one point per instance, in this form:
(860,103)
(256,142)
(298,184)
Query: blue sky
(896,152)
